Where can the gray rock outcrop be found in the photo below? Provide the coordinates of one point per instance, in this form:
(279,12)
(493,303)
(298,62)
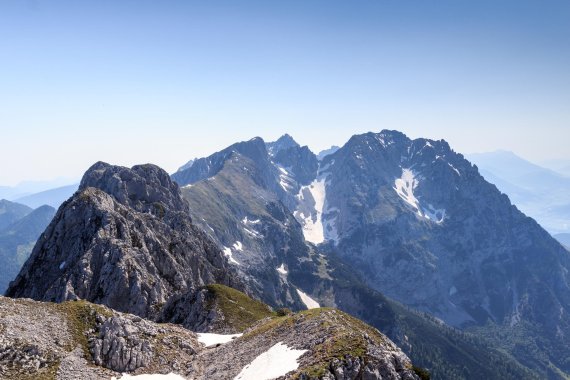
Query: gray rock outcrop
(125,240)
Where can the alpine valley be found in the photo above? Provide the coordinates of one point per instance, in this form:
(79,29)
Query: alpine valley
(386,258)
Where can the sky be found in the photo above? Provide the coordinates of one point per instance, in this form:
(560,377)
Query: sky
(137,81)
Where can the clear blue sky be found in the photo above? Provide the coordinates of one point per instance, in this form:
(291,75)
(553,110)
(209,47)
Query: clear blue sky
(164,81)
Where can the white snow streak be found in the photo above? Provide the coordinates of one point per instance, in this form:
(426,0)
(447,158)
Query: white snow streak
(312,221)
(228,253)
(281,269)
(246,221)
(308,301)
(170,376)
(433,214)
(252,233)
(285,179)
(405,186)
(273,363)
(454,168)
(210,339)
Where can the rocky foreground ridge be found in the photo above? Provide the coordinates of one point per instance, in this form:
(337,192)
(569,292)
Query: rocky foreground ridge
(77,339)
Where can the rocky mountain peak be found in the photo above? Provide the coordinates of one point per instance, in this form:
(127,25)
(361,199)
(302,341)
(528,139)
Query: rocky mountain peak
(142,187)
(207,167)
(125,239)
(282,143)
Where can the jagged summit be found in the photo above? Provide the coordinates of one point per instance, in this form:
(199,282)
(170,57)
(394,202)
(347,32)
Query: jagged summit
(187,165)
(209,166)
(141,187)
(323,153)
(125,239)
(283,142)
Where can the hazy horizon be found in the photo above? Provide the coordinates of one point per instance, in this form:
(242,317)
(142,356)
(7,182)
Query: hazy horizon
(141,81)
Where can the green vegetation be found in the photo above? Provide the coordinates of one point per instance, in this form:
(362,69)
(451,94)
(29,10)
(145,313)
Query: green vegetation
(452,354)
(348,336)
(238,310)
(81,317)
(422,373)
(283,311)
(49,372)
(158,209)
(532,345)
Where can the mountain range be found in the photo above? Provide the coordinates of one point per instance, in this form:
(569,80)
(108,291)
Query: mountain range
(20,227)
(414,219)
(539,192)
(406,235)
(126,240)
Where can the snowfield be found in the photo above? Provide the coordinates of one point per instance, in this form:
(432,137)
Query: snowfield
(405,186)
(170,376)
(281,269)
(273,363)
(228,253)
(308,301)
(210,339)
(312,222)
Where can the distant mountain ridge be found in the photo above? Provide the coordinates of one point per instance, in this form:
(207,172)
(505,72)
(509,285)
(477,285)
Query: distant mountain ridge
(25,188)
(18,236)
(539,192)
(11,212)
(52,197)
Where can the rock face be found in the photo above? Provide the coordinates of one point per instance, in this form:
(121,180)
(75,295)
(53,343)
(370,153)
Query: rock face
(242,210)
(125,240)
(80,340)
(77,339)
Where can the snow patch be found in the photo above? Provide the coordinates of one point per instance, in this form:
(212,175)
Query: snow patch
(228,253)
(273,363)
(454,168)
(308,301)
(311,217)
(238,246)
(210,339)
(286,181)
(62,265)
(281,269)
(252,233)
(246,221)
(433,214)
(405,186)
(170,376)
